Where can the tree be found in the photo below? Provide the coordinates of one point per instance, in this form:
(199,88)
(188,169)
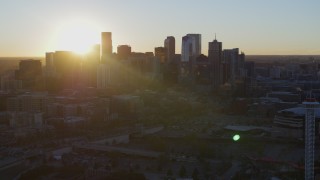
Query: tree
(183,171)
(169,172)
(163,160)
(195,174)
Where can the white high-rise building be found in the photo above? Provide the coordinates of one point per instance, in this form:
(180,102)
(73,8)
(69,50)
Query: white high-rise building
(191,47)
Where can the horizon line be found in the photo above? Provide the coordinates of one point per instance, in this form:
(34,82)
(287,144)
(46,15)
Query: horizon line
(204,54)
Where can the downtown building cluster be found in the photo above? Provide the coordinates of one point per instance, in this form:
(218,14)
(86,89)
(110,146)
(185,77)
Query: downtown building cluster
(220,67)
(103,69)
(67,87)
(100,68)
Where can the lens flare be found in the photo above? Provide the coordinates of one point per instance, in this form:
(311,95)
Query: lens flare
(236,137)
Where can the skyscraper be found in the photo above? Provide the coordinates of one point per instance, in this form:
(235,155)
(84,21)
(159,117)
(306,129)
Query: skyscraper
(191,47)
(106,46)
(49,59)
(186,48)
(95,53)
(160,52)
(230,60)
(123,51)
(170,45)
(241,65)
(197,44)
(29,73)
(89,66)
(67,68)
(49,70)
(64,62)
(214,55)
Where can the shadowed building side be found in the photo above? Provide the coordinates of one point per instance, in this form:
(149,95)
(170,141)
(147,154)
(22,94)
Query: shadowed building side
(170,46)
(106,46)
(215,56)
(30,73)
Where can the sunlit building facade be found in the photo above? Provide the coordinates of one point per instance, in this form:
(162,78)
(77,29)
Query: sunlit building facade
(49,70)
(67,68)
(89,66)
(191,47)
(170,46)
(123,51)
(49,59)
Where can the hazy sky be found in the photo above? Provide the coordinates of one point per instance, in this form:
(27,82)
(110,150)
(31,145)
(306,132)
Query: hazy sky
(32,27)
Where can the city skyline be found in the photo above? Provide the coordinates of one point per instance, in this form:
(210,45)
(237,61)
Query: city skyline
(259,28)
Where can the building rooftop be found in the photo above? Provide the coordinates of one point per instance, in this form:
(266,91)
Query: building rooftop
(282,93)
(300,111)
(246,128)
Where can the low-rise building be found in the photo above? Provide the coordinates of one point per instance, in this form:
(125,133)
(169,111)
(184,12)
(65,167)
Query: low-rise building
(26,119)
(28,102)
(290,122)
(126,106)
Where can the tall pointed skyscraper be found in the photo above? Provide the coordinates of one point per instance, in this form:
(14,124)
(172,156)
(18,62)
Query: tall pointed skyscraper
(214,55)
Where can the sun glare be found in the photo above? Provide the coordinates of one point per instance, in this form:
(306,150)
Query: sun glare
(77,36)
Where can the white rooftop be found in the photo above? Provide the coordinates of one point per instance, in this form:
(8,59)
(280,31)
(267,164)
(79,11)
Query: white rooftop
(301,111)
(246,128)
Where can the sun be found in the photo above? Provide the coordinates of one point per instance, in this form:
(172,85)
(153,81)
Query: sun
(77,36)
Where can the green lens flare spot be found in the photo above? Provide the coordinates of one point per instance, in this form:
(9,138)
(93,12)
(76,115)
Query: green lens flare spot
(236,137)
